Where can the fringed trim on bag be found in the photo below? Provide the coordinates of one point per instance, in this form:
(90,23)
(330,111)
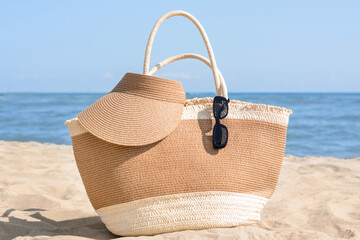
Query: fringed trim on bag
(201,108)
(70,122)
(203,103)
(75,127)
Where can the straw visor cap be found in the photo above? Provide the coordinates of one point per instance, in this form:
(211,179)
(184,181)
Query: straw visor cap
(140,110)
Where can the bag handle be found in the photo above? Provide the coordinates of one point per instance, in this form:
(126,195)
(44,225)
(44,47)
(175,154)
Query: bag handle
(220,89)
(189,56)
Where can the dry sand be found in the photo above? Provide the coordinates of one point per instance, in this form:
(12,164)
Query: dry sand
(42,197)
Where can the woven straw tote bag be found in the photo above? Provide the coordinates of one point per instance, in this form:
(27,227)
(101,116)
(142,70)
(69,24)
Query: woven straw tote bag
(147,160)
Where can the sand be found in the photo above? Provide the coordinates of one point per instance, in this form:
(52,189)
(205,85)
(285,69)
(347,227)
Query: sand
(42,197)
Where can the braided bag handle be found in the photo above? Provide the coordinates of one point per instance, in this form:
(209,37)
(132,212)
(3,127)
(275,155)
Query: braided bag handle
(220,85)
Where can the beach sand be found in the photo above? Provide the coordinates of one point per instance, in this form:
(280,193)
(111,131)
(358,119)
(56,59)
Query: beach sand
(42,197)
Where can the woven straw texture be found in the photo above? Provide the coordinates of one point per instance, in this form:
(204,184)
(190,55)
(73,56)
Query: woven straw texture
(176,212)
(132,112)
(146,157)
(120,179)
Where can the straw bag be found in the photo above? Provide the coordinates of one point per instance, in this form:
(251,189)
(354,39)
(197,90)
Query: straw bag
(148,161)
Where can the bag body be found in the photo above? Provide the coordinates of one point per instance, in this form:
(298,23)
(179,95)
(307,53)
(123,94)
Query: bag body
(179,181)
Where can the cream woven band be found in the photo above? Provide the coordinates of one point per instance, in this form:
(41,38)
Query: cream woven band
(202,109)
(197,210)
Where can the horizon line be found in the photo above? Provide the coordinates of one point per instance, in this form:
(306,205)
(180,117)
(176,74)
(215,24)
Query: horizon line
(30,92)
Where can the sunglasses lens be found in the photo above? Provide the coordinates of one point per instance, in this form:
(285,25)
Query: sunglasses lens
(220,107)
(220,135)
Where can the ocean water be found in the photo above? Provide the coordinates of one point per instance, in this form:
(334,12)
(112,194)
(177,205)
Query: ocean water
(321,125)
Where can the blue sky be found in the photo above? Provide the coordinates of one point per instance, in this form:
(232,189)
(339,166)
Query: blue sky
(260,46)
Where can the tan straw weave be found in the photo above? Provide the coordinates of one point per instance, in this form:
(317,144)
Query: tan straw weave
(132,113)
(146,157)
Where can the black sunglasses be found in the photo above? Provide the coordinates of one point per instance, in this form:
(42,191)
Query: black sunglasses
(220,131)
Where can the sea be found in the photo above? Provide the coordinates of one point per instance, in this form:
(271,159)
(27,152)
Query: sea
(322,124)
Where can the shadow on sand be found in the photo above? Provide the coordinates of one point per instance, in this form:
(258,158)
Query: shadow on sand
(39,225)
